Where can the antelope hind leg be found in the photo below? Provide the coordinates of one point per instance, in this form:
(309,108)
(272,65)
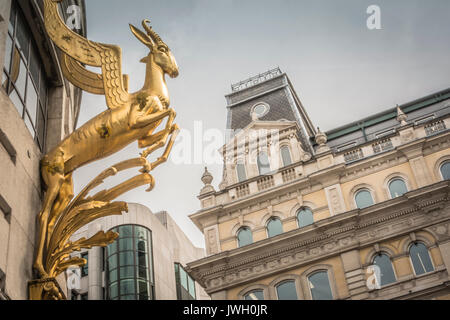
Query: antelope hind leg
(156,141)
(169,146)
(53,181)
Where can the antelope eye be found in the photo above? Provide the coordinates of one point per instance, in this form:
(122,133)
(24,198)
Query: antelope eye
(162,49)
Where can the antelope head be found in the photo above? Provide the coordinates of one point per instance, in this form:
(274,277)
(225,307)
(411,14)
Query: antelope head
(159,52)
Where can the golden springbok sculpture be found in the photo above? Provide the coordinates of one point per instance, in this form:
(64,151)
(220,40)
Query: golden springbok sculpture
(130,117)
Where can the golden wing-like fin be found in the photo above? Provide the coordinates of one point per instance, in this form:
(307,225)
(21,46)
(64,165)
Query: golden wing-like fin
(82,51)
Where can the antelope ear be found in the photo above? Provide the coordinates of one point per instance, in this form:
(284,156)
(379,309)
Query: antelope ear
(144,60)
(145,39)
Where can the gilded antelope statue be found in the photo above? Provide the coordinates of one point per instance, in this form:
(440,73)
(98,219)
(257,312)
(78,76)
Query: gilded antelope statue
(129,117)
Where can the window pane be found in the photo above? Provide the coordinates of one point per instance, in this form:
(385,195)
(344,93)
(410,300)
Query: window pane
(386,271)
(363,199)
(31,103)
(29,124)
(8,51)
(274,227)
(240,168)
(183,279)
(113,275)
(127,287)
(35,66)
(141,245)
(128,297)
(305,217)
(112,261)
(143,287)
(126,258)
(397,188)
(127,272)
(191,284)
(245,237)
(143,273)
(21,79)
(125,231)
(420,258)
(142,259)
(320,286)
(141,233)
(113,290)
(12,18)
(255,295)
(22,36)
(17,102)
(43,90)
(286,156)
(445,170)
(112,248)
(125,244)
(263,163)
(287,291)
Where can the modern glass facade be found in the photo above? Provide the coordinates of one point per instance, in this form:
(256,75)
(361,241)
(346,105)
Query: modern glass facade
(129,265)
(185,284)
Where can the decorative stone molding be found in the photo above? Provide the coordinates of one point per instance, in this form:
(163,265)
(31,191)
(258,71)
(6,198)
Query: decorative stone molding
(353,229)
(212,240)
(335,199)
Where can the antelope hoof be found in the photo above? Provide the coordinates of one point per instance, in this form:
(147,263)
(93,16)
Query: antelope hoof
(146,167)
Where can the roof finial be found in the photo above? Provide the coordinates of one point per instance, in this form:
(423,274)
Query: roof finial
(401,116)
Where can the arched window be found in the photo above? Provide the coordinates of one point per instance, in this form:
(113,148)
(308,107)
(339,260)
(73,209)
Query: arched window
(274,227)
(319,285)
(285,156)
(445,170)
(363,199)
(304,217)
(244,236)
(286,291)
(263,163)
(240,170)
(386,271)
(397,187)
(420,258)
(254,295)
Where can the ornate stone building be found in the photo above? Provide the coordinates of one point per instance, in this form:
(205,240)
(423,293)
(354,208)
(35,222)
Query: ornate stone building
(359,212)
(38,108)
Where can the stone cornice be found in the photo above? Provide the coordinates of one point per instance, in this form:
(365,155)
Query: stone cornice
(325,238)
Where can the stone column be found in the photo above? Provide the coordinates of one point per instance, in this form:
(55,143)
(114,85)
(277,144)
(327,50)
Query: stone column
(444,248)
(95,263)
(354,275)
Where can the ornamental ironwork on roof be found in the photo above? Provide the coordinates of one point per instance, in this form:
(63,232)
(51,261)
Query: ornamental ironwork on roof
(250,82)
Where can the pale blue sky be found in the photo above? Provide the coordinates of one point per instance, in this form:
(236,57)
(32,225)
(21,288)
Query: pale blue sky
(341,70)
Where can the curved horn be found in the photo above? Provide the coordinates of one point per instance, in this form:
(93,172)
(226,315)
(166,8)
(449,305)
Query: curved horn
(151,32)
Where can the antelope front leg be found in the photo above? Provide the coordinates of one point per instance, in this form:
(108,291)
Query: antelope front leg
(156,141)
(166,153)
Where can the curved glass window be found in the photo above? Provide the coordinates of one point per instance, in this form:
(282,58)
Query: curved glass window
(304,217)
(320,286)
(386,271)
(287,291)
(274,227)
(397,187)
(263,163)
(445,170)
(254,295)
(420,258)
(244,236)
(129,264)
(23,75)
(285,156)
(240,169)
(363,199)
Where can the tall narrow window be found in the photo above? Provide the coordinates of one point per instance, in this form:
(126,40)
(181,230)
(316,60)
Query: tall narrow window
(244,236)
(286,156)
(304,217)
(386,271)
(263,163)
(397,187)
(420,258)
(240,169)
(254,295)
(185,284)
(363,199)
(274,227)
(129,267)
(287,291)
(445,170)
(319,285)
(23,76)
(85,268)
